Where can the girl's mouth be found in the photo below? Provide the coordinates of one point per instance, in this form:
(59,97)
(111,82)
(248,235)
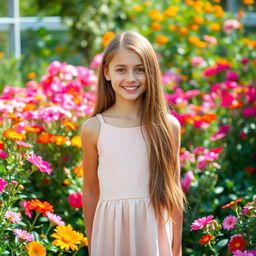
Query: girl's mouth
(130,89)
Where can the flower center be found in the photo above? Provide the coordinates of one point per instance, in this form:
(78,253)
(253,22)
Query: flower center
(237,245)
(66,239)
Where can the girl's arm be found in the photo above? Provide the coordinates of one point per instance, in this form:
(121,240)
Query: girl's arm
(89,137)
(177,214)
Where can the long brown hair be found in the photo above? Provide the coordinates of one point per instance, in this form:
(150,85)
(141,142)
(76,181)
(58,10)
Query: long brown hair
(164,184)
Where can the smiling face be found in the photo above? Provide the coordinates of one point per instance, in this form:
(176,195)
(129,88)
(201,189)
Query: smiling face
(127,75)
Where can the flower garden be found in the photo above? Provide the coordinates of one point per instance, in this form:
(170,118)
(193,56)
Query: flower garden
(207,59)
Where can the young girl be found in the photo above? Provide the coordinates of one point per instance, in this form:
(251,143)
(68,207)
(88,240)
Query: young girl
(132,198)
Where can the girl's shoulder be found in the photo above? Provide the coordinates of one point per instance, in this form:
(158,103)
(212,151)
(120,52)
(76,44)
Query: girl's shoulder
(90,129)
(174,122)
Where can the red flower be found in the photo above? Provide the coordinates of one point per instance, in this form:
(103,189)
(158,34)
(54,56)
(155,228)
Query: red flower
(205,239)
(237,242)
(232,203)
(75,200)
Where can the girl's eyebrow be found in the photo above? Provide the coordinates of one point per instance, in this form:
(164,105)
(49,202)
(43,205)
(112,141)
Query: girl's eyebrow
(122,65)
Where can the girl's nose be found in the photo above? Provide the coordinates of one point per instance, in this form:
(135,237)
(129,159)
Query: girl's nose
(131,76)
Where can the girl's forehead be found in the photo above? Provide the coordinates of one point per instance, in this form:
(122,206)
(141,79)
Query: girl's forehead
(126,57)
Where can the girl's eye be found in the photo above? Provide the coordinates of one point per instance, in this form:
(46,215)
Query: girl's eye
(141,69)
(120,70)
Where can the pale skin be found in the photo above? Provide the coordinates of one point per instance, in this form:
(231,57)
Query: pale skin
(125,70)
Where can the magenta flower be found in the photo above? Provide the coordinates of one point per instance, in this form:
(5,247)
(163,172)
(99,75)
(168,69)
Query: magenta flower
(55,219)
(244,253)
(185,182)
(229,222)
(75,200)
(3,154)
(226,99)
(42,165)
(201,223)
(3,184)
(23,234)
(223,130)
(13,217)
(232,76)
(249,111)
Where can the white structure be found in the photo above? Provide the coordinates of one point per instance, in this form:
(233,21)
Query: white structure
(14,24)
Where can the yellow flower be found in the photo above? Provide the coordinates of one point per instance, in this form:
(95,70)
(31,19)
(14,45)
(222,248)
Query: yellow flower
(76,141)
(161,39)
(107,37)
(84,241)
(194,27)
(171,11)
(12,134)
(1,55)
(155,15)
(137,8)
(67,238)
(35,248)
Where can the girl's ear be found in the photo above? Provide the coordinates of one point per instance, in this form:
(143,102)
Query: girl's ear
(106,73)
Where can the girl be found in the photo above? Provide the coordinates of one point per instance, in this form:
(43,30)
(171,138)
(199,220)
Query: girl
(132,198)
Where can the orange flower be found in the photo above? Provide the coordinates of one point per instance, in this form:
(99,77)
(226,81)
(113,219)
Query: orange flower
(69,124)
(34,129)
(232,203)
(107,38)
(161,39)
(15,118)
(66,182)
(35,248)
(44,138)
(198,20)
(240,14)
(155,15)
(59,140)
(173,27)
(209,117)
(248,2)
(183,31)
(12,134)
(76,141)
(40,206)
(1,55)
(171,11)
(194,27)
(31,75)
(29,107)
(155,26)
(78,170)
(214,26)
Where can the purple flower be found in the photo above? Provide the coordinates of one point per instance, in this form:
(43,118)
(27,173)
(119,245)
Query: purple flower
(229,222)
(201,223)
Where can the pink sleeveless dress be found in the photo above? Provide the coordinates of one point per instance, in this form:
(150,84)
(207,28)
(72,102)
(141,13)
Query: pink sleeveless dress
(124,223)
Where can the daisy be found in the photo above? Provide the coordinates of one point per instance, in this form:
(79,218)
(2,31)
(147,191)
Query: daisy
(13,217)
(200,223)
(23,234)
(229,222)
(55,219)
(35,248)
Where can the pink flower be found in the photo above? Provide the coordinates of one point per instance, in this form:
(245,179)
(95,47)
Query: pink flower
(13,217)
(211,71)
(42,165)
(3,184)
(232,76)
(96,60)
(75,200)
(244,61)
(55,219)
(229,222)
(210,40)
(3,154)
(23,144)
(23,234)
(244,253)
(185,182)
(197,61)
(201,223)
(230,25)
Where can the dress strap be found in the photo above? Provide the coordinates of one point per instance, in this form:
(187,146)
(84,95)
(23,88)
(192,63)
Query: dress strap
(100,119)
